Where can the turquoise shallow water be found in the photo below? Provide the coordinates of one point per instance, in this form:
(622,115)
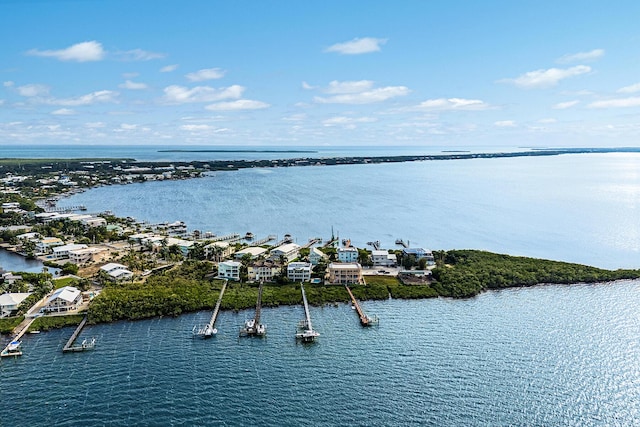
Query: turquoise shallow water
(549,355)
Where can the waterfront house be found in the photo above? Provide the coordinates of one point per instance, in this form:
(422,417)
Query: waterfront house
(117,272)
(253,251)
(382,258)
(420,253)
(62,252)
(348,254)
(316,255)
(84,255)
(94,221)
(299,271)
(32,237)
(289,251)
(265,269)
(229,270)
(218,250)
(345,273)
(44,245)
(64,299)
(9,303)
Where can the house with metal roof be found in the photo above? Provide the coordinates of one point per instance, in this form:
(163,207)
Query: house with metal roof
(64,299)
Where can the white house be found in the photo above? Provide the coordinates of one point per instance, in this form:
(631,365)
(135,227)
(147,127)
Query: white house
(299,271)
(94,221)
(83,256)
(9,302)
(64,299)
(316,255)
(289,251)
(117,272)
(229,270)
(348,254)
(62,252)
(43,246)
(383,258)
(253,251)
(420,253)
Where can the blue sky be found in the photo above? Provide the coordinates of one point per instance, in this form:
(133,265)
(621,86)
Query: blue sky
(274,73)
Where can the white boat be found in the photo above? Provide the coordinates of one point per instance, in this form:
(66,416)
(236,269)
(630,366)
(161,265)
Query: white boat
(205,331)
(13,349)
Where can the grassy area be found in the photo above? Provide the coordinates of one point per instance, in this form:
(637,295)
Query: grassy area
(46,323)
(61,283)
(7,325)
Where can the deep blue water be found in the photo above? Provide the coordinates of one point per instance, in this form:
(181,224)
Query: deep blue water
(581,208)
(542,356)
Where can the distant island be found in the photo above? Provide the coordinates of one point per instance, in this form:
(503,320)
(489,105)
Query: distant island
(235,151)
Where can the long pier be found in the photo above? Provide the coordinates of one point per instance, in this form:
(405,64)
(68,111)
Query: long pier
(209,330)
(265,240)
(228,237)
(14,350)
(86,345)
(306,333)
(312,242)
(52,209)
(364,319)
(216,310)
(253,326)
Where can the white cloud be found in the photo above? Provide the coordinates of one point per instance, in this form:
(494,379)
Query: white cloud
(240,104)
(307,86)
(630,89)
(505,124)
(138,55)
(132,85)
(336,87)
(33,90)
(295,117)
(546,78)
(88,99)
(565,105)
(128,126)
(547,120)
(617,103)
(130,75)
(449,104)
(592,55)
(63,112)
(8,84)
(206,74)
(348,122)
(359,92)
(357,46)
(169,68)
(94,125)
(180,95)
(81,52)
(196,128)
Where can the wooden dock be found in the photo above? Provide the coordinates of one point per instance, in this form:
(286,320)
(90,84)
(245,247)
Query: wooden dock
(364,319)
(60,209)
(306,332)
(14,350)
(86,344)
(209,330)
(253,327)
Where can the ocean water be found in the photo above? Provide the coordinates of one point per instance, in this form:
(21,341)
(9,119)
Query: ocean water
(542,356)
(581,208)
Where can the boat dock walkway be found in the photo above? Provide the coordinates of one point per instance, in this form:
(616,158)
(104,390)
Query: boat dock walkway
(252,327)
(364,319)
(22,328)
(209,330)
(59,209)
(265,240)
(312,242)
(229,237)
(216,310)
(306,333)
(86,344)
(402,243)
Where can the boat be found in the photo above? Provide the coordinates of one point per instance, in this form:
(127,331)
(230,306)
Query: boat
(250,328)
(248,236)
(13,349)
(88,344)
(206,331)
